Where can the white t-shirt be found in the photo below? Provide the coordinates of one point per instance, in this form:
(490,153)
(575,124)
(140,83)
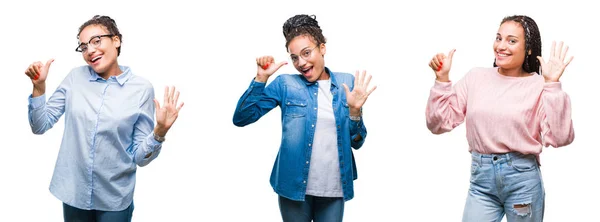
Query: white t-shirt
(324,174)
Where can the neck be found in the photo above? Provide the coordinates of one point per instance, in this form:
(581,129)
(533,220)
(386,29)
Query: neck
(113,71)
(514,72)
(324,75)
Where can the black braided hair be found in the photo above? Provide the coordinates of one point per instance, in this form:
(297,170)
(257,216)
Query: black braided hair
(302,25)
(533,41)
(108,23)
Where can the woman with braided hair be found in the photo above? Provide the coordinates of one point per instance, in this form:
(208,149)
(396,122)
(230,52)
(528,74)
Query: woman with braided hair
(511,112)
(321,114)
(109,126)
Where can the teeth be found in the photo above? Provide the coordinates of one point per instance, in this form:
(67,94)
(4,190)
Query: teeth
(96,58)
(304,70)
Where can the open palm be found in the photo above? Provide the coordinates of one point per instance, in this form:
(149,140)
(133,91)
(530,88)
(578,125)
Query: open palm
(168,112)
(357,98)
(554,68)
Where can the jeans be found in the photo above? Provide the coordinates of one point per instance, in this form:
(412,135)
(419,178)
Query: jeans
(317,209)
(73,214)
(508,184)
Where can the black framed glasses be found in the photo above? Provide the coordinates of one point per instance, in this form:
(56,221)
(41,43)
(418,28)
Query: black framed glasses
(95,41)
(305,54)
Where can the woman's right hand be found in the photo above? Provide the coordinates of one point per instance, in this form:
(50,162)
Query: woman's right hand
(38,72)
(265,67)
(441,64)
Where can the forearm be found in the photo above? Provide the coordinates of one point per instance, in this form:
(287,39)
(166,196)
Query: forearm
(38,90)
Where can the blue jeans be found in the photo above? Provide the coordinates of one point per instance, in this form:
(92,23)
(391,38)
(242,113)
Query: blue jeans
(508,184)
(73,214)
(319,209)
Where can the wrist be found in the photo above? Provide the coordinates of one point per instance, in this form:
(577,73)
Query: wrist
(158,131)
(39,89)
(442,79)
(261,78)
(355,112)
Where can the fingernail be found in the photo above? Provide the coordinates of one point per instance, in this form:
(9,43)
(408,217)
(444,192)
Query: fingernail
(439,68)
(36,77)
(265,66)
(441,63)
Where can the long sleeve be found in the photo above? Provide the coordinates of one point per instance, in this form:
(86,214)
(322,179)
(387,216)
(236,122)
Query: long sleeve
(43,115)
(555,116)
(143,137)
(358,133)
(447,106)
(257,101)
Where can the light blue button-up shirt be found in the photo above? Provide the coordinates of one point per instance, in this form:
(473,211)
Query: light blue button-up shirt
(108,130)
(297,98)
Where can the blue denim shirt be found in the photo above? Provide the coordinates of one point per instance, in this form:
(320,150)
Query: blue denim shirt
(108,131)
(297,99)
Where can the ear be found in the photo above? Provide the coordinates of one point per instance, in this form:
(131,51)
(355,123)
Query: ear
(323,49)
(116,41)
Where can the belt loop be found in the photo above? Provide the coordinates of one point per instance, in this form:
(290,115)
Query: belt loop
(508,160)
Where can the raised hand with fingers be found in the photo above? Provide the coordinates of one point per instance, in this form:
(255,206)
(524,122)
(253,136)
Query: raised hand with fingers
(441,64)
(357,98)
(266,67)
(554,68)
(168,112)
(38,73)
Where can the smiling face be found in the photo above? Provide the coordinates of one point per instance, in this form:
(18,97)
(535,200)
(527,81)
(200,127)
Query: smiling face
(101,51)
(509,46)
(308,58)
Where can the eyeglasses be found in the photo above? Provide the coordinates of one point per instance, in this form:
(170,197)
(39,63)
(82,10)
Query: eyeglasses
(305,54)
(94,41)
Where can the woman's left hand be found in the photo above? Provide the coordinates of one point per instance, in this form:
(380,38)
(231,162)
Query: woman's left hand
(554,68)
(167,114)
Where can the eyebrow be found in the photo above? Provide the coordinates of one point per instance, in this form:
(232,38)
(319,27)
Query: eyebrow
(307,47)
(514,36)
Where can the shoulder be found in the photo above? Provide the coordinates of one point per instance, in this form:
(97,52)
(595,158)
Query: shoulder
(289,80)
(342,77)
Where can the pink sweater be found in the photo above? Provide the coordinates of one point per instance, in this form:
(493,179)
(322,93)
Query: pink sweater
(503,114)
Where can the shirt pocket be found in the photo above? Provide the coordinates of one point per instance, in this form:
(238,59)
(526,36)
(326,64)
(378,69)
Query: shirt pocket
(295,108)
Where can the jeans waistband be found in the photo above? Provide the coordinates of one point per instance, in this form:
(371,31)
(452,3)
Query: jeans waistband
(497,158)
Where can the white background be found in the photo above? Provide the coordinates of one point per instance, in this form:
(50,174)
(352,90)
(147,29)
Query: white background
(210,170)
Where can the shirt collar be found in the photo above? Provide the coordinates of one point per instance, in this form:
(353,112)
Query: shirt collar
(121,78)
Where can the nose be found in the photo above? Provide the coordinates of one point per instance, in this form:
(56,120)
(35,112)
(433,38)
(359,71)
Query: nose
(502,45)
(90,50)
(301,61)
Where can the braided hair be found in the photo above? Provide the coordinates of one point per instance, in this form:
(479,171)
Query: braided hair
(533,41)
(302,25)
(108,23)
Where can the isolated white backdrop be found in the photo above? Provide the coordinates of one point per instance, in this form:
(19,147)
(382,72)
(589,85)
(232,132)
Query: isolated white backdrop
(210,170)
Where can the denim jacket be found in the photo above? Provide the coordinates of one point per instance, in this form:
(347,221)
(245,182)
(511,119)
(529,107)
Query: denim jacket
(297,98)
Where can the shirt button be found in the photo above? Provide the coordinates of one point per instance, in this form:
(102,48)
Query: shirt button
(309,144)
(304,181)
(315,94)
(313,125)
(315,108)
(306,162)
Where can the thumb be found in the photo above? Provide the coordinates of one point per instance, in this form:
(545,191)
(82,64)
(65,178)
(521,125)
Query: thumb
(280,64)
(541,60)
(450,55)
(346,88)
(156,104)
(47,65)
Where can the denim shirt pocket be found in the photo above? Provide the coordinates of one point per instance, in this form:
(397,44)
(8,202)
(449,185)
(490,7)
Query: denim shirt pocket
(295,108)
